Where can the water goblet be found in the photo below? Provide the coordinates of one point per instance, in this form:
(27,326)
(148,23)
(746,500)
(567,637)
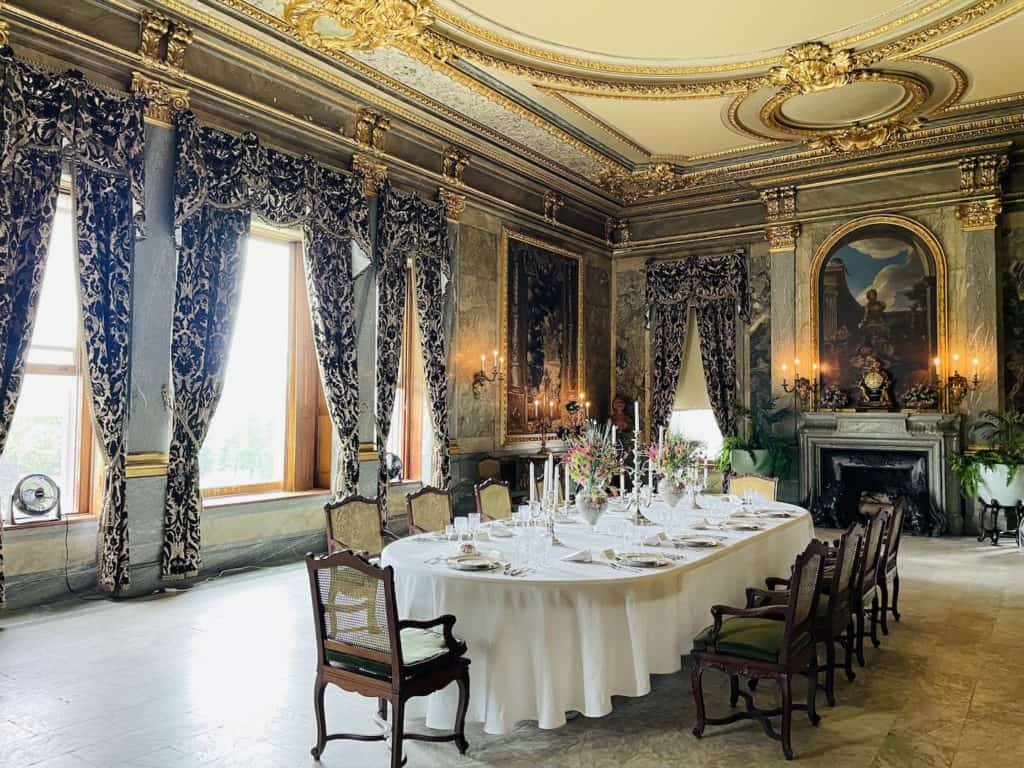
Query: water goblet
(461,528)
(474,525)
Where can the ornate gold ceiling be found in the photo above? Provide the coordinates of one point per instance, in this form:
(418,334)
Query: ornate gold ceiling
(646,98)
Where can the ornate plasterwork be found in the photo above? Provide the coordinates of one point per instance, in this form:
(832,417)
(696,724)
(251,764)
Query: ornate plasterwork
(632,186)
(979,214)
(454,203)
(162,43)
(980,174)
(811,67)
(862,138)
(374,173)
(371,129)
(782,237)
(358,24)
(453,164)
(553,203)
(164,99)
(779,203)
(616,231)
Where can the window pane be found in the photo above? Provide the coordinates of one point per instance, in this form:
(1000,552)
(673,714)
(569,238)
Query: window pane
(245,445)
(698,424)
(44,436)
(55,336)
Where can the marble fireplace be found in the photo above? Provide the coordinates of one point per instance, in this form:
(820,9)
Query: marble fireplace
(843,454)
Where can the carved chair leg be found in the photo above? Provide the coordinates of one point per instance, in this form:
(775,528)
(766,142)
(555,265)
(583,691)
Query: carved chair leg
(382,709)
(786,687)
(830,672)
(321,723)
(875,611)
(734,690)
(884,586)
(812,693)
(397,724)
(460,713)
(697,683)
(848,651)
(896,595)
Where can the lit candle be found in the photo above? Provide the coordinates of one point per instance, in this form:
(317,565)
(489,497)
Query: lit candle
(551,409)
(784,369)
(566,470)
(613,435)
(536,409)
(483,360)
(501,363)
(937,363)
(495,353)
(661,437)
(650,474)
(636,417)
(796,367)
(956,359)
(533,483)
(588,410)
(974,364)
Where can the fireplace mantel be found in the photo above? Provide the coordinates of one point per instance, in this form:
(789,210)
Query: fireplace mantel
(935,434)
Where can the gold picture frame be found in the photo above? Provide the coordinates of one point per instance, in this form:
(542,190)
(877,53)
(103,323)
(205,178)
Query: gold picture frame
(507,236)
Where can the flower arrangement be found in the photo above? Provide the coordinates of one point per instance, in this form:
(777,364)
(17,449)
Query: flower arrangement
(591,459)
(674,456)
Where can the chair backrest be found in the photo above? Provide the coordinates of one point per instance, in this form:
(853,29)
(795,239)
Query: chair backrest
(488,469)
(559,491)
(430,510)
(354,609)
(892,541)
(804,591)
(844,573)
(493,501)
(354,523)
(873,547)
(765,487)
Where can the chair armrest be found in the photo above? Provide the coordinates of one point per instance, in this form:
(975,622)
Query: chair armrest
(774,582)
(388,534)
(446,623)
(756,598)
(720,611)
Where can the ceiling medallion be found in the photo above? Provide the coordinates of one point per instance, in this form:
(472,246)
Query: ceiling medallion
(363,24)
(811,67)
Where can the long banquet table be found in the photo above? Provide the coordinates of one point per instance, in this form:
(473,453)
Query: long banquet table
(569,636)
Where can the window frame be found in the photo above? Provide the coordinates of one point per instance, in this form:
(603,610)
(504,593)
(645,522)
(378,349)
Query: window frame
(411,383)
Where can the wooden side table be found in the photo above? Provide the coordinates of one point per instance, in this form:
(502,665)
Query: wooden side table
(989,522)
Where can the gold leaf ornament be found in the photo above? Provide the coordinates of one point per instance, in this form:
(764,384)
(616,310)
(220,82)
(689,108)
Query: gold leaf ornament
(362,25)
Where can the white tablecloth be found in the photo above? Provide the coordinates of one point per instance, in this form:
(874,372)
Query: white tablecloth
(572,635)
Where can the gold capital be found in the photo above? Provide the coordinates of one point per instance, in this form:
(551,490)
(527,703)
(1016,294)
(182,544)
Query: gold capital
(980,175)
(779,203)
(977,215)
(164,99)
(374,173)
(453,164)
(454,203)
(371,129)
(782,237)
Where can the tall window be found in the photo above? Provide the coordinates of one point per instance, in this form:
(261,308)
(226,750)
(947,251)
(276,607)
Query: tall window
(51,431)
(692,416)
(262,437)
(405,440)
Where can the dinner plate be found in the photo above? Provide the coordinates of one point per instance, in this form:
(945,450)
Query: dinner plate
(706,526)
(780,513)
(697,541)
(473,563)
(642,559)
(744,525)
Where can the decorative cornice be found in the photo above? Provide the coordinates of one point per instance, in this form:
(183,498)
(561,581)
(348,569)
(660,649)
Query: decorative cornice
(453,164)
(980,174)
(553,202)
(164,99)
(454,203)
(657,179)
(162,43)
(369,24)
(863,138)
(779,203)
(371,129)
(782,237)
(374,173)
(976,215)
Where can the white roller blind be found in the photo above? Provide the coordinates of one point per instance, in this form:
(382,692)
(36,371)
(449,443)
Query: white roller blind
(692,391)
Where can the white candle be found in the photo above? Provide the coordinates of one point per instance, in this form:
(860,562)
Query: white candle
(613,435)
(533,483)
(556,469)
(650,474)
(544,488)
(622,483)
(566,470)
(661,437)
(636,416)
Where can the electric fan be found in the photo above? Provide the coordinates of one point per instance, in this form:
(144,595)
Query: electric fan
(35,497)
(393,466)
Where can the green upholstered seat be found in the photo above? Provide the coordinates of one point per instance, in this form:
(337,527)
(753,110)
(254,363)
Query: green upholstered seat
(419,646)
(759,639)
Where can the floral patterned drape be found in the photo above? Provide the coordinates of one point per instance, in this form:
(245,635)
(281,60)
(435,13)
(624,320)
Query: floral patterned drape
(716,287)
(34,108)
(220,181)
(411,228)
(107,158)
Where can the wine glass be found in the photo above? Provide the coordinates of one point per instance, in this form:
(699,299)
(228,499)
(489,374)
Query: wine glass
(474,524)
(461,528)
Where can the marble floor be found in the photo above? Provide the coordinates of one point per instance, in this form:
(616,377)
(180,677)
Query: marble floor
(221,676)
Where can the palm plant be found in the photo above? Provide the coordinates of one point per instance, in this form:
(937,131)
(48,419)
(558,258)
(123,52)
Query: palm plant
(1003,433)
(759,435)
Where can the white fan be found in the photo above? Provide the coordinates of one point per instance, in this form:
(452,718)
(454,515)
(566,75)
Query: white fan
(35,497)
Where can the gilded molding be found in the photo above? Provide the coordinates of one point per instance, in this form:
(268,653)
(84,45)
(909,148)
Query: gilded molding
(454,203)
(779,203)
(164,99)
(145,465)
(980,174)
(162,43)
(652,181)
(977,215)
(863,138)
(811,67)
(453,164)
(553,202)
(374,173)
(371,129)
(370,23)
(782,237)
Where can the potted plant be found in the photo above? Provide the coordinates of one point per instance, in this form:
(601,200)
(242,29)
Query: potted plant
(671,459)
(990,473)
(758,451)
(591,461)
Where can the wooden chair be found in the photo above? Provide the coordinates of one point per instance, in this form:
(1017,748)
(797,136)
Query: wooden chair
(493,500)
(774,641)
(354,523)
(891,568)
(363,647)
(766,487)
(430,510)
(866,587)
(488,469)
(559,491)
(835,606)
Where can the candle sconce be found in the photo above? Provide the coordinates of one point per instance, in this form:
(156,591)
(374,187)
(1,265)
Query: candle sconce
(481,378)
(958,385)
(805,389)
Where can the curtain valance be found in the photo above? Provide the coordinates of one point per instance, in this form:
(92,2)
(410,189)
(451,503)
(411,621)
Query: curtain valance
(698,280)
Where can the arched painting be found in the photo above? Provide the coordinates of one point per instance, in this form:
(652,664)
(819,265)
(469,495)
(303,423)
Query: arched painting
(879,288)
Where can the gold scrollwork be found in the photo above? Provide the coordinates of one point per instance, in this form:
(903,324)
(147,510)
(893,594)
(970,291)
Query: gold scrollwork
(980,174)
(863,138)
(977,215)
(454,203)
(153,27)
(453,164)
(162,43)
(811,67)
(653,181)
(782,237)
(363,24)
(164,99)
(779,203)
(371,129)
(374,173)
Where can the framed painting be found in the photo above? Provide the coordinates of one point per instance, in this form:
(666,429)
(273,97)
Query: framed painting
(878,288)
(541,289)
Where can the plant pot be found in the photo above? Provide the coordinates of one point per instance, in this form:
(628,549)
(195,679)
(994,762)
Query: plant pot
(668,492)
(589,507)
(755,462)
(992,485)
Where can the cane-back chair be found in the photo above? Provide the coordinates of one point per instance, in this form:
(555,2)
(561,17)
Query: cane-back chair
(430,510)
(363,647)
(866,601)
(773,641)
(890,569)
(765,487)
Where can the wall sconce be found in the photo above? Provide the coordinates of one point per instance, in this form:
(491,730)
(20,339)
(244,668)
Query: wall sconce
(806,390)
(957,385)
(481,378)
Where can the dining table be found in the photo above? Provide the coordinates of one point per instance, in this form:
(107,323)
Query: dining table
(566,636)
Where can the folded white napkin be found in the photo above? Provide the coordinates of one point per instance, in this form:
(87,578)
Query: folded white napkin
(500,531)
(583,556)
(657,540)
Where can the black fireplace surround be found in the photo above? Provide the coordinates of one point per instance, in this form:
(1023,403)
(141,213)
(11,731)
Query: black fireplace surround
(846,474)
